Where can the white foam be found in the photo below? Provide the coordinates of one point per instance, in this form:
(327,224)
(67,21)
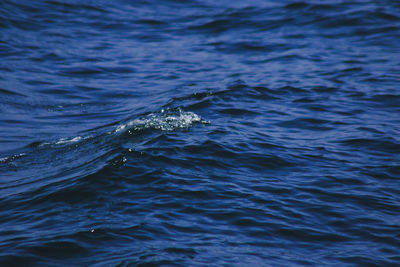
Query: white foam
(164,120)
(64,141)
(11,158)
(68,140)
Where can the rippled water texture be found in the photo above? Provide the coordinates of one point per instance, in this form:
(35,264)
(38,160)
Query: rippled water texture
(195,133)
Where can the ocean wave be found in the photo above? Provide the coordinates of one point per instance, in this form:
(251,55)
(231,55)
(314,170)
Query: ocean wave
(68,156)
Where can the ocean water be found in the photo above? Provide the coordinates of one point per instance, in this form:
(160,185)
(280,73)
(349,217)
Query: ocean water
(195,133)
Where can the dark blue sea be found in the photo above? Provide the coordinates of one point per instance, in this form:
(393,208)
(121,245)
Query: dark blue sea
(199,133)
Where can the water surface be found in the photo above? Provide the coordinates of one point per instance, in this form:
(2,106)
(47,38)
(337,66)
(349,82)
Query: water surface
(193,133)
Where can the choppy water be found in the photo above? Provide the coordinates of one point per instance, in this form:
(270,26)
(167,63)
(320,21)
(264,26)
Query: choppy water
(194,133)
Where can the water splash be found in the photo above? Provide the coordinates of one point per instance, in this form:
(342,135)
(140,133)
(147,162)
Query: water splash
(165,120)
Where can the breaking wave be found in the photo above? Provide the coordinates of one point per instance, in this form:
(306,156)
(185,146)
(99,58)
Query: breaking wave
(165,120)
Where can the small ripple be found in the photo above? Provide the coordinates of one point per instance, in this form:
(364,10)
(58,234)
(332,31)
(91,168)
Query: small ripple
(216,26)
(58,249)
(238,112)
(179,250)
(82,71)
(95,70)
(249,47)
(79,6)
(373,144)
(325,89)
(51,56)
(386,100)
(306,123)
(296,5)
(9,92)
(152,22)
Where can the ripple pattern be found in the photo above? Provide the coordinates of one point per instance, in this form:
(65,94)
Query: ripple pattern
(193,133)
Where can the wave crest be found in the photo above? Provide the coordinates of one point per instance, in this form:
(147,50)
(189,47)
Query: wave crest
(165,120)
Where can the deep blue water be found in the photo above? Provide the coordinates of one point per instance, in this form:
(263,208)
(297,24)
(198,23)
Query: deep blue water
(195,133)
